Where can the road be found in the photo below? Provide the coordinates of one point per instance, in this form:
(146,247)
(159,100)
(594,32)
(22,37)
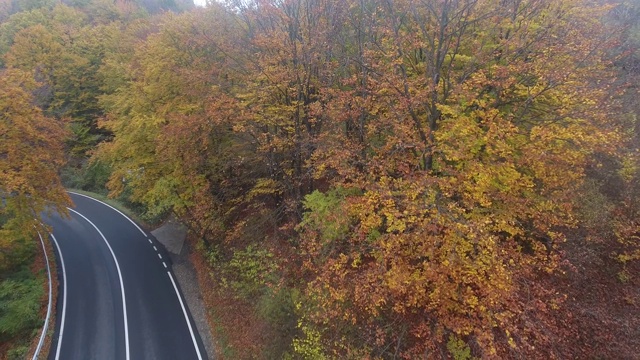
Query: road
(117,298)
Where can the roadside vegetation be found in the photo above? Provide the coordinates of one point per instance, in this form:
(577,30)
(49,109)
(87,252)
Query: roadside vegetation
(22,297)
(31,153)
(361,179)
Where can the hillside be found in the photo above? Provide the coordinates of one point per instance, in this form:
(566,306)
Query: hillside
(366,179)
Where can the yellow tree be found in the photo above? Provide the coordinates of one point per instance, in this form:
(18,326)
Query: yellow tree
(65,54)
(31,152)
(167,109)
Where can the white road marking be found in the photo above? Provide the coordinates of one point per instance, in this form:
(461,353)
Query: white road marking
(124,302)
(119,212)
(150,241)
(165,265)
(64,298)
(186,317)
(155,248)
(46,320)
(184,310)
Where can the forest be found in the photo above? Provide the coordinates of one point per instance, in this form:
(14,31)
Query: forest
(361,179)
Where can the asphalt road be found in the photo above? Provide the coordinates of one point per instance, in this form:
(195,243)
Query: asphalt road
(118,298)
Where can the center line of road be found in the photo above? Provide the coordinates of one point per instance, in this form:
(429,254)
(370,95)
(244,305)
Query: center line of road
(184,310)
(64,298)
(124,302)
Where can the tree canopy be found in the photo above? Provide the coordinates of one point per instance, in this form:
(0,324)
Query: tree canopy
(378,179)
(31,153)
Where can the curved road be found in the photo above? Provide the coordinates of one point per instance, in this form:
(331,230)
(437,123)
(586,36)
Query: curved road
(118,298)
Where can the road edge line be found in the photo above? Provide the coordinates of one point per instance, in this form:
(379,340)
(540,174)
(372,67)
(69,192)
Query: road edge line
(104,203)
(64,298)
(124,302)
(184,310)
(186,316)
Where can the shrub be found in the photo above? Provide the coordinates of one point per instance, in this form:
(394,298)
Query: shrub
(250,270)
(20,295)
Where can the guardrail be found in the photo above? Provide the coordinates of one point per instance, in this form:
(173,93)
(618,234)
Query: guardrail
(46,321)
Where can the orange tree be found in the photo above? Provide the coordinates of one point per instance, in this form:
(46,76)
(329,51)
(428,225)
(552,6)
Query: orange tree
(31,153)
(476,121)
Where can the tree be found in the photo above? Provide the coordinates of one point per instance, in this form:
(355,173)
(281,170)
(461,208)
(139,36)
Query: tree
(483,116)
(14,24)
(168,113)
(447,141)
(626,228)
(65,56)
(31,152)
(286,65)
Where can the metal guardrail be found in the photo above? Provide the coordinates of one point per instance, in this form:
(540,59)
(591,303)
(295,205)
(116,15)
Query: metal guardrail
(46,321)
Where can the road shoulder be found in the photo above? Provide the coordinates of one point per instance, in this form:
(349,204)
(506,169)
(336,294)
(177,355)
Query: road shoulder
(172,235)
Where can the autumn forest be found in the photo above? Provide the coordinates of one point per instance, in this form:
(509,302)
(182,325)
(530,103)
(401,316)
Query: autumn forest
(361,179)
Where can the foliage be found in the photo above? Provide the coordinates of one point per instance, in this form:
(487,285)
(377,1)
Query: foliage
(170,151)
(20,295)
(309,347)
(18,353)
(30,155)
(64,53)
(595,209)
(326,213)
(451,141)
(408,174)
(468,180)
(15,24)
(91,176)
(253,271)
(626,227)
(277,307)
(458,349)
